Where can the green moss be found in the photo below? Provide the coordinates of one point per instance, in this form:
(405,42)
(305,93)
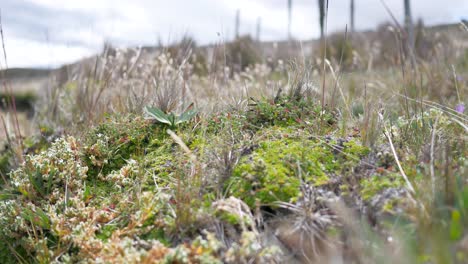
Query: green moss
(377,183)
(285,157)
(390,205)
(274,171)
(351,153)
(233,218)
(230,218)
(355,149)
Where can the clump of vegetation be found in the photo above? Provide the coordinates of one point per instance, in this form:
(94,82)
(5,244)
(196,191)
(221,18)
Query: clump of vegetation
(111,144)
(267,172)
(284,161)
(273,171)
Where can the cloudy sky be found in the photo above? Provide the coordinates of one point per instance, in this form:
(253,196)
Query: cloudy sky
(48,33)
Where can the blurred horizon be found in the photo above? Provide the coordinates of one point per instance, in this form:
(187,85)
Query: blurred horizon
(50,33)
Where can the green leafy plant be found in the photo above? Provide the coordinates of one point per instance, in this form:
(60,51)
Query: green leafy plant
(170,119)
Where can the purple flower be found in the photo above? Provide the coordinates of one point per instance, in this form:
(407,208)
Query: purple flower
(460,108)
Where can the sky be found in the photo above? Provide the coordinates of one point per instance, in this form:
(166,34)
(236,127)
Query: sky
(49,33)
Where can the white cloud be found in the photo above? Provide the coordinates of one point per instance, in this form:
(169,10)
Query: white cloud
(27,53)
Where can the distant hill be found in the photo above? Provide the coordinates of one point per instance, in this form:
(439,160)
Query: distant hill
(24,73)
(24,81)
